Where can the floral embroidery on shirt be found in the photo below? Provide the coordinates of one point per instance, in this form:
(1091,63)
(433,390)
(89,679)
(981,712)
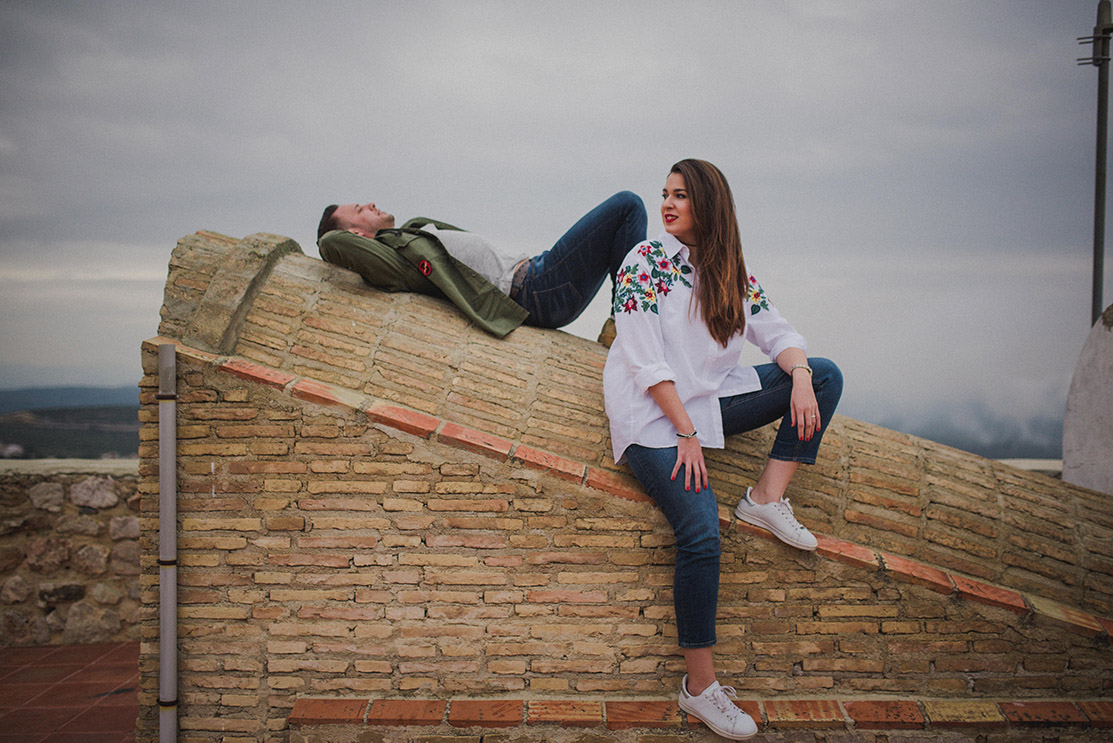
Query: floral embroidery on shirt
(639,287)
(756,296)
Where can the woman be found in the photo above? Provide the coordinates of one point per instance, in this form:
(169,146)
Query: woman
(685,305)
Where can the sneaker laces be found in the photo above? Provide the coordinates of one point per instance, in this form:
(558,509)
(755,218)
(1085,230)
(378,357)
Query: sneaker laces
(785,509)
(721,699)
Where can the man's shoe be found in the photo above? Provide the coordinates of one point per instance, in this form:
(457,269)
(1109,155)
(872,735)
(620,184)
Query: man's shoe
(608,333)
(778,518)
(715,709)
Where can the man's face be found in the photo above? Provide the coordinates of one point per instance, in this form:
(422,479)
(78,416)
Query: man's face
(363,219)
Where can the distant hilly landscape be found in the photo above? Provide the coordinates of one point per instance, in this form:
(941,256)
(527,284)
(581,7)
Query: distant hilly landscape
(69,422)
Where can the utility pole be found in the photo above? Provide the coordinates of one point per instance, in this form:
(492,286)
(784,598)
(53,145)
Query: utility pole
(1100,58)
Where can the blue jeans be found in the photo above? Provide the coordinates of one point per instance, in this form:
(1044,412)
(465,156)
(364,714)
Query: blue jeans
(694,517)
(562,281)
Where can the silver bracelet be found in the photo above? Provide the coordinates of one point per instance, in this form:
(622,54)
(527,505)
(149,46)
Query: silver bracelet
(800,366)
(691,435)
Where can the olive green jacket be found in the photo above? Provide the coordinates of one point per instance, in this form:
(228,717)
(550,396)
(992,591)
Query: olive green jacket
(407,259)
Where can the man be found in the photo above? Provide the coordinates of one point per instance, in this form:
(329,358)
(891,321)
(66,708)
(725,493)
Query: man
(496,288)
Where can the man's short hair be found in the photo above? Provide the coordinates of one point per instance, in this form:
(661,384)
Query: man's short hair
(328,221)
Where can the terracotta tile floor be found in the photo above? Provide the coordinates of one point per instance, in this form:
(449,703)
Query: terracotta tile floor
(69,693)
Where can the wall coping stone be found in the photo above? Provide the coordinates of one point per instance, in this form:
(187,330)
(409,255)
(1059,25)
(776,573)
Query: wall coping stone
(69,466)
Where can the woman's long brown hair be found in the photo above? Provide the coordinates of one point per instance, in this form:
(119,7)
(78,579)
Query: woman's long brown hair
(722,281)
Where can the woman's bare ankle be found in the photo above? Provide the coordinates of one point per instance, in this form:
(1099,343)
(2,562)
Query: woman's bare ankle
(695,687)
(760,497)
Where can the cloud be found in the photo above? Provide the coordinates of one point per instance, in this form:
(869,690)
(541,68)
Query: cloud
(914,180)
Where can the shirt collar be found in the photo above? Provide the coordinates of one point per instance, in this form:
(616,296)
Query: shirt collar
(673,247)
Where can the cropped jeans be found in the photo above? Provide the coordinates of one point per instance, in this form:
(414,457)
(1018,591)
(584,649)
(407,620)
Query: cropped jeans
(562,281)
(694,517)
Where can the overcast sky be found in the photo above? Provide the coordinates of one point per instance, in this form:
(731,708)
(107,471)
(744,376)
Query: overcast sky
(914,180)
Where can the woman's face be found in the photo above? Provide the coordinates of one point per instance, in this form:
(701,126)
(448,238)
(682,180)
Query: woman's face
(676,210)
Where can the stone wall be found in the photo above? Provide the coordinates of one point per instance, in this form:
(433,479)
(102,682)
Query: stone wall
(69,551)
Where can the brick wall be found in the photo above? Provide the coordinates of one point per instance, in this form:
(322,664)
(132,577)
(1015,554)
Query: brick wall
(378,500)
(543,389)
(323,553)
(69,552)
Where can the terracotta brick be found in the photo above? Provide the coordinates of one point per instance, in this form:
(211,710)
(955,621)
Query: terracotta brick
(568,597)
(324,394)
(251,468)
(565,713)
(410,421)
(487,713)
(616,484)
(1100,713)
(753,531)
(559,466)
(255,373)
(726,515)
(987,594)
(473,440)
(851,554)
(1106,624)
(406,712)
(885,715)
(285,523)
(647,714)
(1064,616)
(328,711)
(804,713)
(917,573)
(1043,714)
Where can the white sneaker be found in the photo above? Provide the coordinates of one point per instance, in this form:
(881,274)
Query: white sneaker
(778,518)
(715,709)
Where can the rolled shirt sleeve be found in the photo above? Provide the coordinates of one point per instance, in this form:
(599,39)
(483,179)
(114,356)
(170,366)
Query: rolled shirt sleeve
(637,317)
(765,327)
(662,337)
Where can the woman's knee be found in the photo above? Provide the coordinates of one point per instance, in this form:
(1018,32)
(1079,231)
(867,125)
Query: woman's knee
(709,547)
(827,381)
(826,372)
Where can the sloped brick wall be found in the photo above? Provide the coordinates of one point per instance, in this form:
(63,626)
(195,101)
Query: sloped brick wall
(323,553)
(377,499)
(543,389)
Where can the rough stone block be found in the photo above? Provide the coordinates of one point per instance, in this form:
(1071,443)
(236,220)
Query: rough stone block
(95,492)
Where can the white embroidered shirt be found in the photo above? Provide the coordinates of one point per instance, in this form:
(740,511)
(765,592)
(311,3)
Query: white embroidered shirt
(661,336)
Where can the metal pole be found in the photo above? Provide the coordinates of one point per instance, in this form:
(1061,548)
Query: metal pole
(167,543)
(1101,59)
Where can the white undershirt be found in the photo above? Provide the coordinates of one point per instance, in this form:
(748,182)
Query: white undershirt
(475,252)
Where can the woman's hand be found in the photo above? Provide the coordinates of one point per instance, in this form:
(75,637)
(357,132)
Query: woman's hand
(689,454)
(805,409)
